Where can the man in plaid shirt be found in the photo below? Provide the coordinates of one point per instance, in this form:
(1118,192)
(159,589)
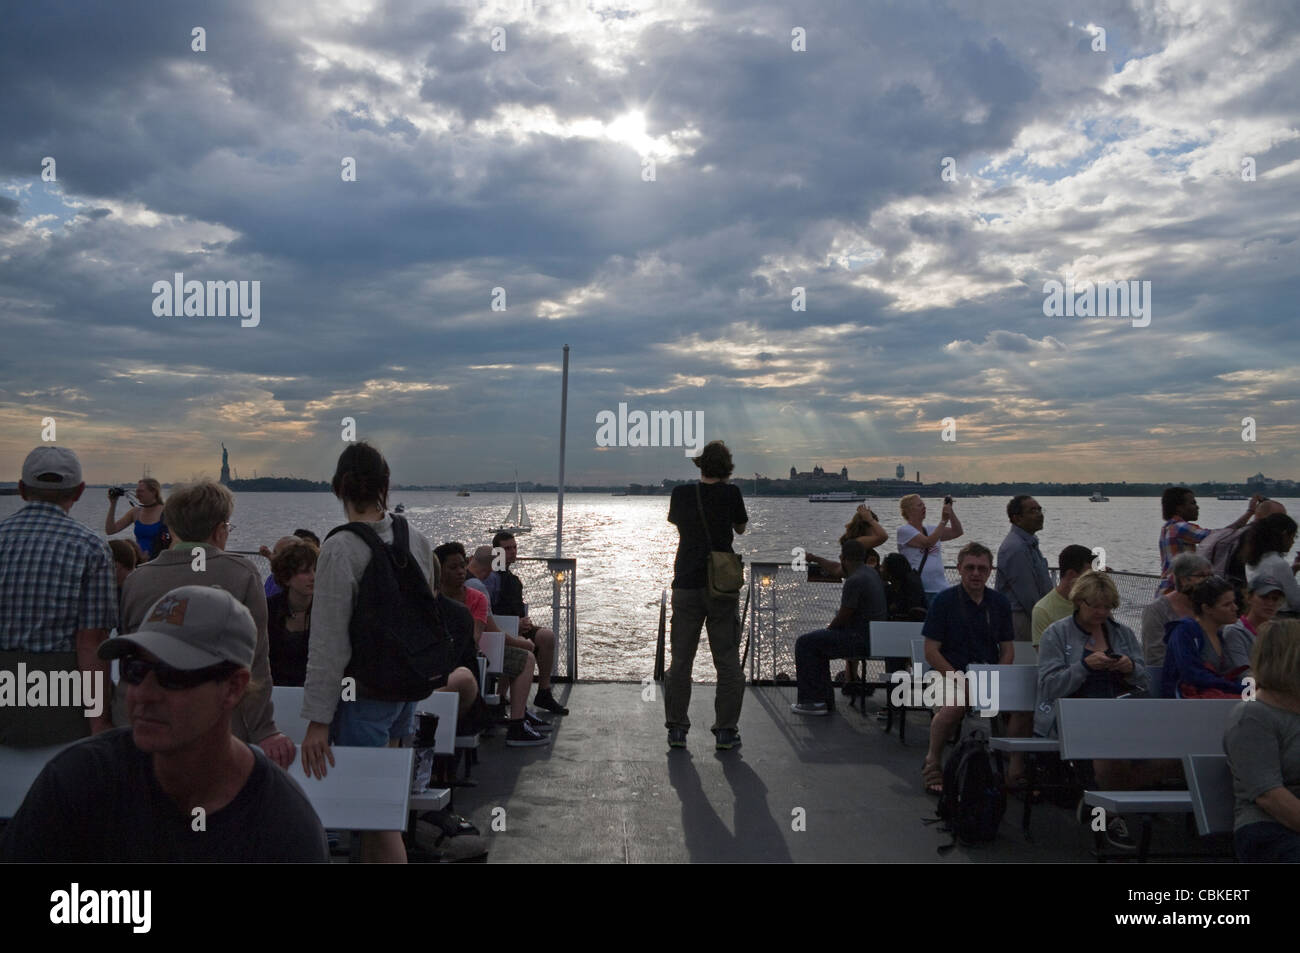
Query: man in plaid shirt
(1180,534)
(58,599)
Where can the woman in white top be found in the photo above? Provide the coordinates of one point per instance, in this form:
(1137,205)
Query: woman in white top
(919,542)
(1264,549)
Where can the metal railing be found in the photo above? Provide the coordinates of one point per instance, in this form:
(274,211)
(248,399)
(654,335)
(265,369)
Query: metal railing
(783,605)
(550,592)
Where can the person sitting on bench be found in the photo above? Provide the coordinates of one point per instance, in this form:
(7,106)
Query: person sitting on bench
(967,623)
(1195,664)
(1262,741)
(861,603)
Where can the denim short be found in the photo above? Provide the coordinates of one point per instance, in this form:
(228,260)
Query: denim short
(370,724)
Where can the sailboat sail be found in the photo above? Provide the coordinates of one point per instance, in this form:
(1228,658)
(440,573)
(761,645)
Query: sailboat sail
(514,510)
(524,522)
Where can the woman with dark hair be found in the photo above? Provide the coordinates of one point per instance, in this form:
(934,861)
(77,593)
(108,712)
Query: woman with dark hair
(866,529)
(705,514)
(288,612)
(1264,547)
(1196,665)
(1262,742)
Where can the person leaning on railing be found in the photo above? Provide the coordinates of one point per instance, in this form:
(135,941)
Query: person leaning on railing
(1262,741)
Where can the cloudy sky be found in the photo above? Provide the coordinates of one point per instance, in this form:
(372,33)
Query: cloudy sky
(649,181)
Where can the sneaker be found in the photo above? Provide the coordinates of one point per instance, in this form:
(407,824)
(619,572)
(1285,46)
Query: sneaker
(728,738)
(677,737)
(1117,835)
(521,735)
(810,708)
(546,702)
(537,724)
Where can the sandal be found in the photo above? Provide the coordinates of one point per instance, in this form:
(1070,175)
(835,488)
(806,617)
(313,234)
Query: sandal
(932,777)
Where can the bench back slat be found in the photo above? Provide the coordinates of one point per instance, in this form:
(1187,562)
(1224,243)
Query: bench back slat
(893,639)
(1141,727)
(366,789)
(1209,780)
(446,706)
(1017,686)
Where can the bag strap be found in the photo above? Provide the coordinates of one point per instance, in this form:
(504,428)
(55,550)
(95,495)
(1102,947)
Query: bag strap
(699,502)
(367,534)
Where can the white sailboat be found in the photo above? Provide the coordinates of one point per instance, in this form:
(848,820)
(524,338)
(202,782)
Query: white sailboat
(517,520)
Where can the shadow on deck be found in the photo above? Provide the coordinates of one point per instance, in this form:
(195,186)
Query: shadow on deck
(608,789)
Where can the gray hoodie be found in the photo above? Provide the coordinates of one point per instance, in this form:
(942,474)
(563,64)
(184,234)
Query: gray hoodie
(1061,671)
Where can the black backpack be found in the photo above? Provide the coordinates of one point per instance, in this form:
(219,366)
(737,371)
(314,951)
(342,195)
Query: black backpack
(974,796)
(399,639)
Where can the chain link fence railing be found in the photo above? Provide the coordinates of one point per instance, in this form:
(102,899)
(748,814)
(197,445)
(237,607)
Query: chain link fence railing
(783,605)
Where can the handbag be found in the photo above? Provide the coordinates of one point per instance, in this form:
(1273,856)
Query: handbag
(725,570)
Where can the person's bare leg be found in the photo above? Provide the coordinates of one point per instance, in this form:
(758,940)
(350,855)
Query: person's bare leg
(519,686)
(382,847)
(544,639)
(1020,724)
(464,684)
(942,726)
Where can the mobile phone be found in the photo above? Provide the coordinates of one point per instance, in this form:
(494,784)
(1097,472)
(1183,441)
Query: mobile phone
(1112,655)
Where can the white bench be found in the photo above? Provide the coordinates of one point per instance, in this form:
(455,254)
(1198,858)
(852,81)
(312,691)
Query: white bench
(367,789)
(1141,729)
(446,706)
(1209,781)
(892,642)
(493,647)
(287,702)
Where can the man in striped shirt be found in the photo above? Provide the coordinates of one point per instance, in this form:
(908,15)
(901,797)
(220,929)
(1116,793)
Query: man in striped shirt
(58,601)
(1180,534)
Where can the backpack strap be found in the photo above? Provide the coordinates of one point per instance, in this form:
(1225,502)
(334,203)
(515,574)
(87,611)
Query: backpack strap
(368,535)
(699,503)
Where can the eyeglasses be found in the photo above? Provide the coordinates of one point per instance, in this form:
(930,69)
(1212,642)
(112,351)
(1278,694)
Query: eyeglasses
(230,527)
(135,669)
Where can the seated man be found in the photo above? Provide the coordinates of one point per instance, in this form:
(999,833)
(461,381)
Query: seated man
(861,603)
(967,623)
(1073,562)
(510,601)
(177,785)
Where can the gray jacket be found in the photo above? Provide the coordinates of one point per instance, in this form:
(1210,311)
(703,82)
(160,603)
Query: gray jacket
(1238,642)
(1061,671)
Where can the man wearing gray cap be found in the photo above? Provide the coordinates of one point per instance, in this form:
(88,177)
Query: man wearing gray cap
(176,785)
(58,601)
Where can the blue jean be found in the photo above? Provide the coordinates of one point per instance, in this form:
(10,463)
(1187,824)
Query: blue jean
(366,723)
(813,652)
(1266,842)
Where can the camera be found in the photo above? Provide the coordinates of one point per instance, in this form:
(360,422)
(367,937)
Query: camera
(116,492)
(947,501)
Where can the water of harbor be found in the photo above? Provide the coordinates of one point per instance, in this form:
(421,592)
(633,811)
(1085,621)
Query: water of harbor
(625,546)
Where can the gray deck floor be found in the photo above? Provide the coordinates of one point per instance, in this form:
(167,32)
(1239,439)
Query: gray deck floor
(609,790)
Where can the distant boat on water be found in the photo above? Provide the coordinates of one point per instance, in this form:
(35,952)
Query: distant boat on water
(399,508)
(462,492)
(517,520)
(1098,497)
(840,496)
(1233,496)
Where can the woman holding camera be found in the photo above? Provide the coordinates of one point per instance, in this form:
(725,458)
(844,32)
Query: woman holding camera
(865,528)
(150,531)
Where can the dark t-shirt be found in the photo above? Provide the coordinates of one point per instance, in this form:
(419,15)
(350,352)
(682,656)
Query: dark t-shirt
(864,593)
(723,507)
(510,595)
(969,632)
(460,626)
(288,650)
(100,802)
